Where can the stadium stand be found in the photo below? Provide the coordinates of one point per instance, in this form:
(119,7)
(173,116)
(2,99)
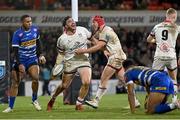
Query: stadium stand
(89,4)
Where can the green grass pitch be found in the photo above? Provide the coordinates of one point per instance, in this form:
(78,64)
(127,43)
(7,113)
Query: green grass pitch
(111,107)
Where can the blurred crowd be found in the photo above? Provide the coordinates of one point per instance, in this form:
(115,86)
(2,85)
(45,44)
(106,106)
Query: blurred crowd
(89,4)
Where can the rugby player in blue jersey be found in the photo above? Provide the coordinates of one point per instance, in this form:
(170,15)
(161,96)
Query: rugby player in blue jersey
(158,86)
(27,54)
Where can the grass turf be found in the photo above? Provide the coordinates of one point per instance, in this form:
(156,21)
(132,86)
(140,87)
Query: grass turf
(111,107)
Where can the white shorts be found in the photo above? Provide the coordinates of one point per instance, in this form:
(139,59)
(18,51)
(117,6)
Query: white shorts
(160,63)
(115,62)
(71,66)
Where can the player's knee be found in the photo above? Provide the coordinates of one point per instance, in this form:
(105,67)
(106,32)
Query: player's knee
(35,81)
(15,85)
(64,85)
(86,83)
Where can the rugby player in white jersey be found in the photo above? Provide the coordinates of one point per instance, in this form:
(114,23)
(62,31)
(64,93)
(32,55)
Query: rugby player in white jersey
(73,38)
(165,35)
(109,41)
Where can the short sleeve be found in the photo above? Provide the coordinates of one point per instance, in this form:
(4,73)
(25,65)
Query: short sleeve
(88,34)
(104,37)
(38,33)
(60,46)
(128,78)
(16,39)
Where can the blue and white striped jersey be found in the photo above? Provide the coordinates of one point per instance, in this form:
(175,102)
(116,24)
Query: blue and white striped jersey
(141,75)
(26,41)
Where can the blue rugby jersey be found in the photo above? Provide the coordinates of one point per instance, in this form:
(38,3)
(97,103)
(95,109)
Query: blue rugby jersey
(26,41)
(140,75)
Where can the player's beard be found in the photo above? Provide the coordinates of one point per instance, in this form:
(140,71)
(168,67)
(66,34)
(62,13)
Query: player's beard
(71,30)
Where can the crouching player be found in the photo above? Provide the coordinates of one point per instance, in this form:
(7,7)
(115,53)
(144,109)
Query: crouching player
(158,86)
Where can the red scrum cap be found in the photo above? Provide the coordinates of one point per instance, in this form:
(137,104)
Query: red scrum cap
(99,20)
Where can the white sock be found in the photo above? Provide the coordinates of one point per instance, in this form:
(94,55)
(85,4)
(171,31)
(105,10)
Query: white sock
(174,97)
(79,101)
(172,105)
(136,100)
(137,103)
(175,86)
(100,92)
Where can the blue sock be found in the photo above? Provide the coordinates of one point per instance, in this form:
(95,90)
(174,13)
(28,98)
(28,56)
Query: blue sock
(163,108)
(11,101)
(34,97)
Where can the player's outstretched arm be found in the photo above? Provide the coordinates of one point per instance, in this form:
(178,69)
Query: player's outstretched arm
(95,48)
(131,96)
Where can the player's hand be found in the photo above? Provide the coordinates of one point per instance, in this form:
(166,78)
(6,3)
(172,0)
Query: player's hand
(79,51)
(42,59)
(21,68)
(107,53)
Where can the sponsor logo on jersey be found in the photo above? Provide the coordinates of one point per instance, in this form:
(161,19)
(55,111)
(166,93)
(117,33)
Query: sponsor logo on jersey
(160,88)
(28,43)
(164,47)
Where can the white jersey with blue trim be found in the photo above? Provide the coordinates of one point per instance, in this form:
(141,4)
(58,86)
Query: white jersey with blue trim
(140,75)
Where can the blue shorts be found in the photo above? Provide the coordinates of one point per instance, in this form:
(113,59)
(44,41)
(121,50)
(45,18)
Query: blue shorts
(26,62)
(162,83)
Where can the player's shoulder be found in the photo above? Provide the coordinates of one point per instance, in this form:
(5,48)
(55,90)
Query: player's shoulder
(62,37)
(80,28)
(129,71)
(107,30)
(18,32)
(34,28)
(159,24)
(177,26)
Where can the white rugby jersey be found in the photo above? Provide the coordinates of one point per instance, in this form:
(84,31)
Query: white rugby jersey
(113,44)
(69,43)
(165,34)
